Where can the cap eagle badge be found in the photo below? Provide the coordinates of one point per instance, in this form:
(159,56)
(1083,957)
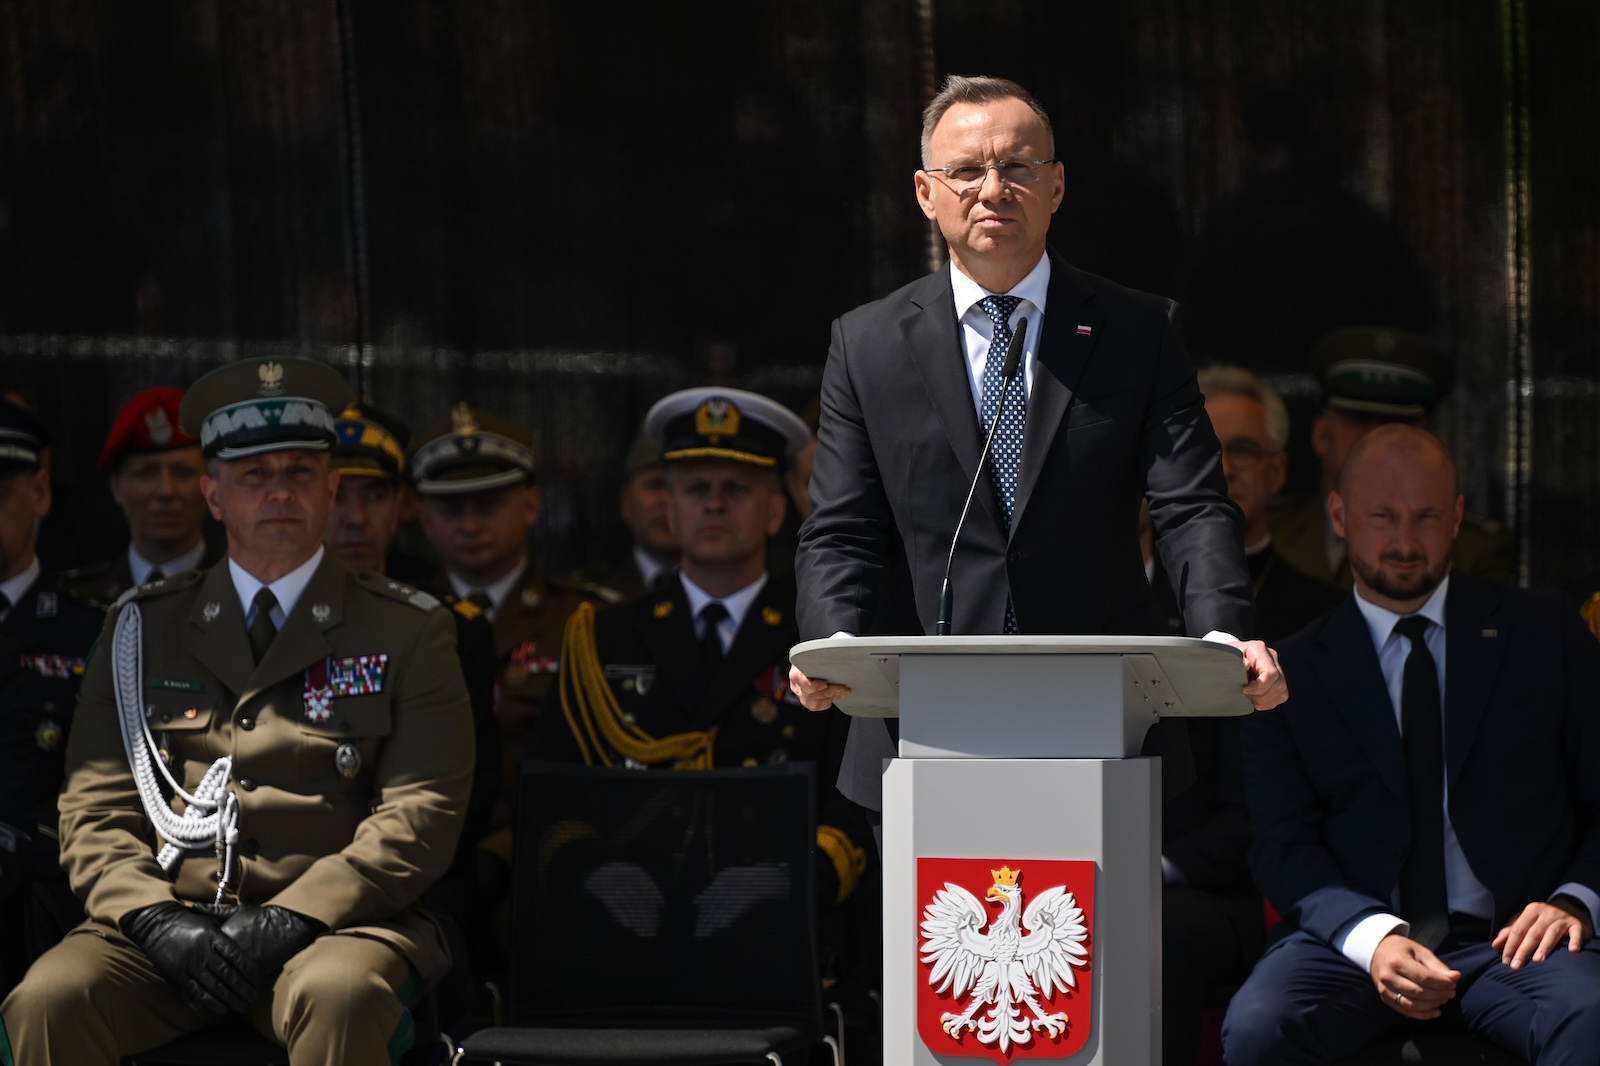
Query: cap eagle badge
(158,426)
(716,418)
(271,379)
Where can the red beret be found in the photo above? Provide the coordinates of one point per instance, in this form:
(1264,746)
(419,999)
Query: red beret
(146,423)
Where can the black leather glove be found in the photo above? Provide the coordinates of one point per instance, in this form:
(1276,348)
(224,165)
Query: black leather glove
(209,969)
(271,936)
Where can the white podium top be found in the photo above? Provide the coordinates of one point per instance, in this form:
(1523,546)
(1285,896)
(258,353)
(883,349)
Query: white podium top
(1180,676)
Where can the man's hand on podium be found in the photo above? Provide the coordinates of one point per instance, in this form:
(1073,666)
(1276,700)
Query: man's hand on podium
(1266,688)
(815,695)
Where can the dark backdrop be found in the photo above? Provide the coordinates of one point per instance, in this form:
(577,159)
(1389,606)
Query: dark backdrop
(560,211)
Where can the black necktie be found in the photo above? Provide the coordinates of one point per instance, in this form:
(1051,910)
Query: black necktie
(480,599)
(262,630)
(711,616)
(154,575)
(1424,901)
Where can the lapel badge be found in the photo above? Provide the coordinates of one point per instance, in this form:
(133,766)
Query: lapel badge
(1084,331)
(211,610)
(318,693)
(530,598)
(771,615)
(764,710)
(48,605)
(662,609)
(321,612)
(348,760)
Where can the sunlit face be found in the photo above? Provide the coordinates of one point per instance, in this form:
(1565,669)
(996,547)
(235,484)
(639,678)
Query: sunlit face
(723,511)
(274,506)
(1398,514)
(645,504)
(1254,471)
(366,513)
(159,494)
(999,228)
(481,536)
(24,499)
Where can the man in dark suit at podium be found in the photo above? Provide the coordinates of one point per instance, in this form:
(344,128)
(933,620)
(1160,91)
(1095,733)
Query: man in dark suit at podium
(1426,809)
(1103,409)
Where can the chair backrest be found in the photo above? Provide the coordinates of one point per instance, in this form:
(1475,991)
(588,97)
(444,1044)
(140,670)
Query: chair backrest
(660,898)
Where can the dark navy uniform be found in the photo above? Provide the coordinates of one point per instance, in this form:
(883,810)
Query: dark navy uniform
(54,633)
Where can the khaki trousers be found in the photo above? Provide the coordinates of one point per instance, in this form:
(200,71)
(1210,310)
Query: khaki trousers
(95,997)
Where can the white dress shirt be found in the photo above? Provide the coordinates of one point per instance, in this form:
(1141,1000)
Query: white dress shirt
(287,588)
(977,329)
(738,605)
(140,567)
(13,588)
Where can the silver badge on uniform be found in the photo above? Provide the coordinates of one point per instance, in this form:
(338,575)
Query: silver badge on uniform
(348,760)
(321,612)
(529,598)
(211,610)
(47,605)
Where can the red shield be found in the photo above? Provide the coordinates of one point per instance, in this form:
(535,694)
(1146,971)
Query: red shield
(1004,956)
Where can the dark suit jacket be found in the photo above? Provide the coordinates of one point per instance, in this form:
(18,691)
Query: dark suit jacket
(1114,414)
(1326,777)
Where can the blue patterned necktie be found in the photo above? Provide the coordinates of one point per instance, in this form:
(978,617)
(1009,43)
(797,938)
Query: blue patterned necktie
(1005,456)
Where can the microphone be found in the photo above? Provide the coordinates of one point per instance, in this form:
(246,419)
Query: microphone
(1008,372)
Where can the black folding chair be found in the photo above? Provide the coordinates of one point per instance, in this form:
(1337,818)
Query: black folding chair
(661,918)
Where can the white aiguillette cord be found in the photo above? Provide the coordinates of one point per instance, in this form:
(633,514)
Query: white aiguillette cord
(211,815)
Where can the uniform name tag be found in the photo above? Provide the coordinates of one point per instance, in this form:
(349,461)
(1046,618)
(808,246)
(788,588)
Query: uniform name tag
(175,685)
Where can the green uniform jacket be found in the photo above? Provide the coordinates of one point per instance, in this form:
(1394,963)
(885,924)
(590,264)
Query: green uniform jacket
(353,849)
(100,584)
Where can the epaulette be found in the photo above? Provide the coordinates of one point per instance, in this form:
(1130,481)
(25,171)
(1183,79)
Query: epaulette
(396,590)
(160,587)
(583,587)
(465,608)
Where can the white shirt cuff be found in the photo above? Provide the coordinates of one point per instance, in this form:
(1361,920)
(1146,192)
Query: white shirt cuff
(1217,636)
(1360,941)
(1585,895)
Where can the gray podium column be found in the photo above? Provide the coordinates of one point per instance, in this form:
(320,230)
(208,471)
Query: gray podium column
(1019,750)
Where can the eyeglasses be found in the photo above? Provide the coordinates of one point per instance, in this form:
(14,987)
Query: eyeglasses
(963,178)
(1245,453)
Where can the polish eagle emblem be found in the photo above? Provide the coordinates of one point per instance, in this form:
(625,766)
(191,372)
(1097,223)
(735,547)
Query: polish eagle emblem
(1001,973)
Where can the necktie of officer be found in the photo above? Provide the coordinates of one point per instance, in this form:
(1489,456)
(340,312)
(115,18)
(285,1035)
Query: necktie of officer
(1424,900)
(711,616)
(480,599)
(261,629)
(1005,456)
(154,575)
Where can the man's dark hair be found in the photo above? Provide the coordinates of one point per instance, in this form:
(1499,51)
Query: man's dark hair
(980,89)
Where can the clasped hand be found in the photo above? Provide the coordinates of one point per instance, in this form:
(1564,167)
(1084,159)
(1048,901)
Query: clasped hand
(219,959)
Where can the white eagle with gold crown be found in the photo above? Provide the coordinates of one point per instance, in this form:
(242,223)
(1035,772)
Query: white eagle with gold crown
(1004,969)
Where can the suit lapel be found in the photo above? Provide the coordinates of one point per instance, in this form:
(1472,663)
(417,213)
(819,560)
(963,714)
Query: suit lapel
(301,642)
(754,647)
(932,336)
(220,643)
(1349,669)
(670,644)
(1062,357)
(1476,635)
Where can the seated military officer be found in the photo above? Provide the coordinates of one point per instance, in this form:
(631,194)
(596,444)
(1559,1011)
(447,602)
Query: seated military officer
(153,468)
(267,752)
(693,674)
(473,473)
(51,634)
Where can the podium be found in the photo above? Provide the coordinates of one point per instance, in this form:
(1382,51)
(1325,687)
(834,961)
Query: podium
(1023,751)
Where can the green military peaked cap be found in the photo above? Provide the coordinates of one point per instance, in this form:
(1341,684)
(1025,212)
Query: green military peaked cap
(470,451)
(264,405)
(1380,371)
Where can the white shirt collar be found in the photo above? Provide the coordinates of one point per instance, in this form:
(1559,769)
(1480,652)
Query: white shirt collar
(1033,288)
(738,604)
(649,567)
(14,587)
(1380,620)
(140,567)
(287,588)
(497,591)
